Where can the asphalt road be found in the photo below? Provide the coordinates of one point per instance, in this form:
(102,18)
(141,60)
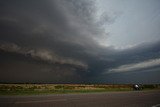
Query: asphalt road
(108,99)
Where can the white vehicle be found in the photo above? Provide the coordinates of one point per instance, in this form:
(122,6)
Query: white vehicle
(137,87)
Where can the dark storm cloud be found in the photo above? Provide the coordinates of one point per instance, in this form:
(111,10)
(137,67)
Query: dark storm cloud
(57,32)
(42,54)
(58,41)
(55,25)
(146,54)
(134,65)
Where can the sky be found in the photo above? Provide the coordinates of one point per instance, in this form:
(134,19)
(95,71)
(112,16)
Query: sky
(80,41)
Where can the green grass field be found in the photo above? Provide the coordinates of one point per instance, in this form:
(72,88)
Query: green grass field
(36,89)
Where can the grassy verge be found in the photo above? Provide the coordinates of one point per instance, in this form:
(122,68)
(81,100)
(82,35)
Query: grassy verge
(30,92)
(38,89)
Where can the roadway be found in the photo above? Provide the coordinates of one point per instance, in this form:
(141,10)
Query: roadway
(108,99)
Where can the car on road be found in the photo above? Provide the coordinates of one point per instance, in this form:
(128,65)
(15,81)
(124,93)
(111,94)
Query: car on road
(137,87)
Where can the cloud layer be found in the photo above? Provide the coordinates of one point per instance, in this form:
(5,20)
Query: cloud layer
(61,41)
(136,66)
(40,54)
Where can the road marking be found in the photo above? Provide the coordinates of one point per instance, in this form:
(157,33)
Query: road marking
(157,105)
(44,101)
(39,101)
(74,98)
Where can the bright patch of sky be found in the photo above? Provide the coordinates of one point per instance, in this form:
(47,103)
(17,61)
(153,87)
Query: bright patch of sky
(136,21)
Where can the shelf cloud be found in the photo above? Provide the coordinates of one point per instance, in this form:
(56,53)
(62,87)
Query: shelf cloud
(78,41)
(136,66)
(40,54)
